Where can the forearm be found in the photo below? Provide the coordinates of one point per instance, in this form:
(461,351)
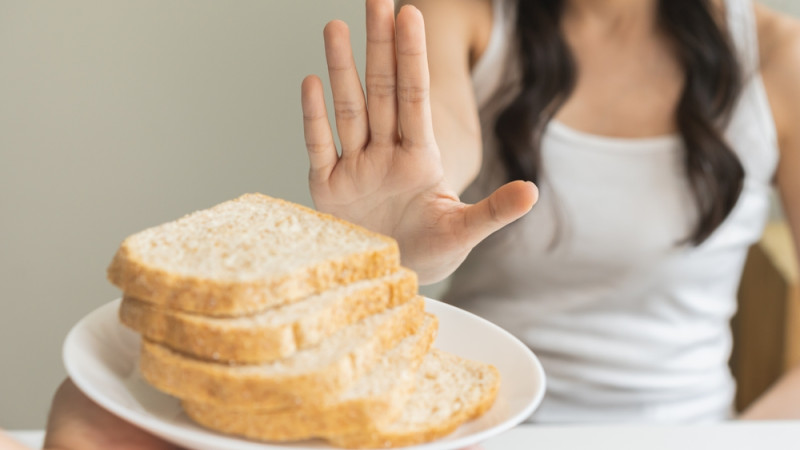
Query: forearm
(780,401)
(459,140)
(76,422)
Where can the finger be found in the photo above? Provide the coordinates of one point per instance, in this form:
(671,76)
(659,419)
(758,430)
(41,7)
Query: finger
(322,154)
(348,97)
(413,81)
(381,72)
(507,204)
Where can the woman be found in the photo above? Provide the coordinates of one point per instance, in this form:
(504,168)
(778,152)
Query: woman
(654,130)
(637,234)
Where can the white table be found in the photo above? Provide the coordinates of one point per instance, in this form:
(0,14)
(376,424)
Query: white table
(31,438)
(727,436)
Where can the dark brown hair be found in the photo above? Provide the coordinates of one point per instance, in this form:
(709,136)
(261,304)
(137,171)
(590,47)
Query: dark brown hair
(711,86)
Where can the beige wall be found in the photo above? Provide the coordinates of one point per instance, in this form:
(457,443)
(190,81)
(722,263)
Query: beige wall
(115,116)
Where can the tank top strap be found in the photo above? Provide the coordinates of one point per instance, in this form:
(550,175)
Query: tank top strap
(495,62)
(741,22)
(742,27)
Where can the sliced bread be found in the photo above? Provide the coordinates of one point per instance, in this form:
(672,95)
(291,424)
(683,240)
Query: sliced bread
(374,400)
(274,333)
(247,254)
(318,374)
(449,391)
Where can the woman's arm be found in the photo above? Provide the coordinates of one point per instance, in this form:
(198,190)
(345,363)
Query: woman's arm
(77,423)
(456,33)
(780,50)
(780,401)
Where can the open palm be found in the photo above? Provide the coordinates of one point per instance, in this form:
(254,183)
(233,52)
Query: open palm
(389,176)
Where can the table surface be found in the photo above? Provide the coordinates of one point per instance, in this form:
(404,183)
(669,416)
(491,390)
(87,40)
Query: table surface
(728,436)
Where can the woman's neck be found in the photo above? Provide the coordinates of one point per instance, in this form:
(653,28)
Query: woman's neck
(611,18)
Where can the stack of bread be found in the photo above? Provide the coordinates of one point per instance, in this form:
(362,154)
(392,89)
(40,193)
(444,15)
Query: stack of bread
(275,322)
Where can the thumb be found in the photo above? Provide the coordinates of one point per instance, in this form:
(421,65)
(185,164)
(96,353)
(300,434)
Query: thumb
(505,205)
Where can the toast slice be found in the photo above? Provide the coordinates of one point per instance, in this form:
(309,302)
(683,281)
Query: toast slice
(317,374)
(374,400)
(274,333)
(247,254)
(449,391)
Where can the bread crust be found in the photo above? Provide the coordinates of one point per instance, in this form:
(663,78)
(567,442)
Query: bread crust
(186,377)
(251,342)
(197,294)
(318,419)
(384,437)
(207,293)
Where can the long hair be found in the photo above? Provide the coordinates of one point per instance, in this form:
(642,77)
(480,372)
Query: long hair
(712,80)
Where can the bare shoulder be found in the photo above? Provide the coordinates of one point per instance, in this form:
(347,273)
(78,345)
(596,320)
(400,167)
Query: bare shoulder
(779,47)
(778,36)
(469,21)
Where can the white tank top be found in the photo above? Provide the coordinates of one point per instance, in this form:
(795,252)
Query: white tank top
(629,324)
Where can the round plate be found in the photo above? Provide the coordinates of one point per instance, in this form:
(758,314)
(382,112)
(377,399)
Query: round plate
(101,355)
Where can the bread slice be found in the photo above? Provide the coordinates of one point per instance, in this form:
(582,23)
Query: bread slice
(274,333)
(375,399)
(449,391)
(247,254)
(318,374)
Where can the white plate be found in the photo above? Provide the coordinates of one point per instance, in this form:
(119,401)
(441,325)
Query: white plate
(100,355)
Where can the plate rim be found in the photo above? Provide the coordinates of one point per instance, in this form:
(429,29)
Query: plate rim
(168,431)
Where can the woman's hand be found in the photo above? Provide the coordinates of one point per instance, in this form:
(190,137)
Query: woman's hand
(76,422)
(389,177)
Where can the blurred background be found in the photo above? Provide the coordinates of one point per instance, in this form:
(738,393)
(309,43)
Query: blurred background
(116,116)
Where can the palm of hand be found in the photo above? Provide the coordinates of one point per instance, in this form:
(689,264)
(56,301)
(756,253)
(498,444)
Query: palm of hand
(374,186)
(400,194)
(389,176)
(401,198)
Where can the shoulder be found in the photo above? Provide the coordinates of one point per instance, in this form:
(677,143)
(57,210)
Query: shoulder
(778,37)
(468,21)
(779,49)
